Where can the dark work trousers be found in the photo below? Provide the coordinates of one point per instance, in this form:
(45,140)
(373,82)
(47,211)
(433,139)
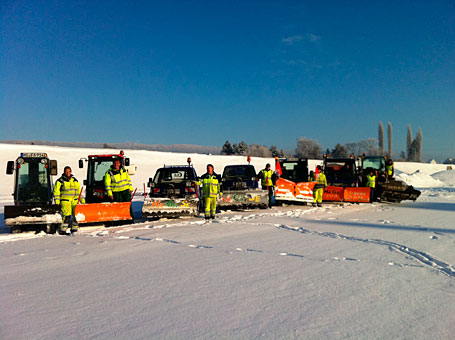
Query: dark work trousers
(371,195)
(271,193)
(122,196)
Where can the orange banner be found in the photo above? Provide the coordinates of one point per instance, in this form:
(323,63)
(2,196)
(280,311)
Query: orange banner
(333,194)
(285,190)
(361,195)
(304,191)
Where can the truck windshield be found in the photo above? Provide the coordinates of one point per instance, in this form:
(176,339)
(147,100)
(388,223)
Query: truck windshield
(375,163)
(32,182)
(97,169)
(173,175)
(242,172)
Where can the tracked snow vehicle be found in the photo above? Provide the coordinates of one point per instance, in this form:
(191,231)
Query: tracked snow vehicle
(173,192)
(390,190)
(241,189)
(98,207)
(33,200)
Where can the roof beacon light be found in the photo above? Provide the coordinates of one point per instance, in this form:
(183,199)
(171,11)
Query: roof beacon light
(248,159)
(121,152)
(188,160)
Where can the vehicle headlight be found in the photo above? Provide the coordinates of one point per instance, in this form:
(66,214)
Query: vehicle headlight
(189,184)
(43,161)
(20,161)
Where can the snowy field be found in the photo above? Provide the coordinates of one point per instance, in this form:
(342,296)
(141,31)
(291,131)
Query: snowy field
(372,271)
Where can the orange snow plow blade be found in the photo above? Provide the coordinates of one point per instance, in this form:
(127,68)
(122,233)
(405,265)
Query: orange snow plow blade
(361,195)
(333,194)
(103,212)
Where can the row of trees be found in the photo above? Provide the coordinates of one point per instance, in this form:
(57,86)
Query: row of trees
(310,148)
(254,150)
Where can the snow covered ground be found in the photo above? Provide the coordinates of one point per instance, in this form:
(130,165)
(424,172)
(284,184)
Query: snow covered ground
(373,271)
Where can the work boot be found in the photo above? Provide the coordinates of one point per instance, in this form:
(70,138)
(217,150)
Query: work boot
(319,205)
(212,217)
(313,204)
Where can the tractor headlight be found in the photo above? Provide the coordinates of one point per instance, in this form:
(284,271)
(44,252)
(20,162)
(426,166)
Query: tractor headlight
(20,161)
(43,161)
(188,184)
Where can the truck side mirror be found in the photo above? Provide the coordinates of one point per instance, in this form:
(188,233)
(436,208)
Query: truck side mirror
(81,164)
(10,168)
(53,166)
(127,161)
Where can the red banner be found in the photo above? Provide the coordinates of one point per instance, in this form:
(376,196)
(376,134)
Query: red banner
(361,195)
(334,194)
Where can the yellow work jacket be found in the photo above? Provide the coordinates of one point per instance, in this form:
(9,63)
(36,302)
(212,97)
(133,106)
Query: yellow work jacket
(67,189)
(210,185)
(116,181)
(321,181)
(266,178)
(389,170)
(371,181)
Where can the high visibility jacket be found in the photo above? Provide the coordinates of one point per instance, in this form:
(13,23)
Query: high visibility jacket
(389,169)
(116,181)
(266,178)
(67,189)
(321,181)
(371,181)
(210,185)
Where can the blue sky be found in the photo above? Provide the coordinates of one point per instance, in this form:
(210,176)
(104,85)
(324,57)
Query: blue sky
(198,72)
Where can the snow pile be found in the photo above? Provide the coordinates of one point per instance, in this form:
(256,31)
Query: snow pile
(447,177)
(420,180)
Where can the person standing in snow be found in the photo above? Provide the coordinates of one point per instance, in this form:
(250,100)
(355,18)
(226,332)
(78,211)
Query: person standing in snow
(389,172)
(117,183)
(371,183)
(211,188)
(318,190)
(66,194)
(268,180)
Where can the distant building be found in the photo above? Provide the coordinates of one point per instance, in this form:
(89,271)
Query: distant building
(449,161)
(433,161)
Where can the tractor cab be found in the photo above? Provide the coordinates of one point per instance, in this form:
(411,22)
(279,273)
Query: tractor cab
(295,170)
(33,192)
(32,183)
(98,165)
(341,172)
(375,163)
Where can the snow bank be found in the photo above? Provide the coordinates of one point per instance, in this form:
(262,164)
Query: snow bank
(447,177)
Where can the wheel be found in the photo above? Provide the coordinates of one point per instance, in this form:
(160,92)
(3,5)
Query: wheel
(51,228)
(16,230)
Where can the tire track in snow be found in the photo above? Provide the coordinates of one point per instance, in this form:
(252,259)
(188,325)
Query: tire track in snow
(420,256)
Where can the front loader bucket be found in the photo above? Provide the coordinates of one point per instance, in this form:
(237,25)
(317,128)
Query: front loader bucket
(26,215)
(168,207)
(103,212)
(243,199)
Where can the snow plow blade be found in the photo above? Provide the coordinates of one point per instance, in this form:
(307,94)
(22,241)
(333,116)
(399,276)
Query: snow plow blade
(397,191)
(17,215)
(103,212)
(167,207)
(243,199)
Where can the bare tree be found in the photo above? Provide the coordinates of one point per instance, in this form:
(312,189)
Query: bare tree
(340,151)
(308,148)
(408,142)
(381,138)
(259,151)
(419,139)
(389,138)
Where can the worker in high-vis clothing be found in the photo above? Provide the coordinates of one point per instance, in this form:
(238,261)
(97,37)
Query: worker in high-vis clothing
(318,190)
(66,194)
(117,183)
(268,181)
(371,183)
(389,172)
(211,188)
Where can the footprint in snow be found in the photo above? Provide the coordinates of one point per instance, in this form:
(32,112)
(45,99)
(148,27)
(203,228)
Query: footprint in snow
(433,237)
(345,259)
(384,221)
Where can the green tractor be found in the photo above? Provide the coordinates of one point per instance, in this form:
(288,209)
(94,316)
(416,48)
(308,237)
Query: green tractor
(33,207)
(387,188)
